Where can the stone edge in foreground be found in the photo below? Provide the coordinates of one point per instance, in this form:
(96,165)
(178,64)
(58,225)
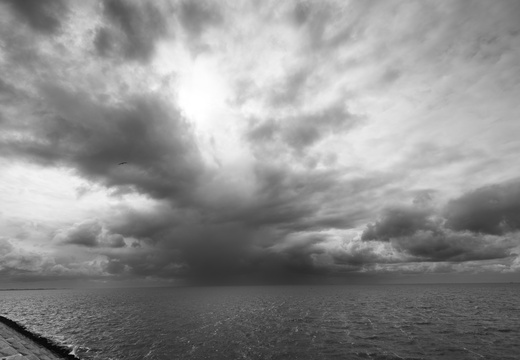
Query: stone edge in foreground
(59,351)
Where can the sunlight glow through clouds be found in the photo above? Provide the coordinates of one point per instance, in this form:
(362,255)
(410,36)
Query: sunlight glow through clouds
(202,93)
(280,139)
(203,97)
(199,87)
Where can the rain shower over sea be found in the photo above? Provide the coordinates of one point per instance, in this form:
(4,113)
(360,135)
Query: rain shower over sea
(455,321)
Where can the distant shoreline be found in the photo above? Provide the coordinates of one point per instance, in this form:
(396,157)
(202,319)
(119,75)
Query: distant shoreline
(256,285)
(16,289)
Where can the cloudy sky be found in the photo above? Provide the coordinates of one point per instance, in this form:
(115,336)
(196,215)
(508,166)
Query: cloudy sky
(262,141)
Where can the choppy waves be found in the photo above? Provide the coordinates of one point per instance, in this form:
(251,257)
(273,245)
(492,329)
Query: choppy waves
(348,322)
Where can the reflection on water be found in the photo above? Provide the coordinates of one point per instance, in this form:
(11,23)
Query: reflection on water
(314,322)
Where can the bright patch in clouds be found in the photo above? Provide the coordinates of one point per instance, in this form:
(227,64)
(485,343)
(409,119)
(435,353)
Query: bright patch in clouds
(202,94)
(222,142)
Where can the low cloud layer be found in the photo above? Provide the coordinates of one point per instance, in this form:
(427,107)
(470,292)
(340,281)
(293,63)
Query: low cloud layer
(493,209)
(132,31)
(479,225)
(211,142)
(43,16)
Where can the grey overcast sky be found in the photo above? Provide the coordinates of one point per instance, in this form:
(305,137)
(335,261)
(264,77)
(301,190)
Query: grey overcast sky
(262,141)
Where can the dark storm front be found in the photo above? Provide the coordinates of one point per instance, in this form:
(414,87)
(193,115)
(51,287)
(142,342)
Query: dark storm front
(336,322)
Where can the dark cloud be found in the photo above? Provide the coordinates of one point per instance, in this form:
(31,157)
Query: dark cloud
(14,261)
(8,92)
(214,249)
(390,75)
(133,29)
(270,235)
(357,255)
(328,31)
(196,16)
(301,13)
(114,267)
(104,41)
(83,234)
(452,246)
(114,241)
(234,242)
(219,251)
(301,132)
(155,141)
(42,15)
(424,198)
(301,200)
(145,262)
(280,196)
(151,225)
(290,92)
(479,225)
(492,209)
(266,238)
(185,233)
(292,220)
(293,264)
(400,221)
(90,234)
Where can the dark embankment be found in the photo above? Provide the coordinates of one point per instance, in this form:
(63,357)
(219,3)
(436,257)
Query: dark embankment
(59,350)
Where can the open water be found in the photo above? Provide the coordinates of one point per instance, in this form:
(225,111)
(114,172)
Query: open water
(475,321)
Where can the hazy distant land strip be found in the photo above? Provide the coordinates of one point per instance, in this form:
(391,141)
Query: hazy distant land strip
(18,343)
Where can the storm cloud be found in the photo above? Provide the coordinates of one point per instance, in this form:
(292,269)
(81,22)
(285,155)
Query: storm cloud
(89,234)
(195,17)
(161,156)
(478,225)
(218,143)
(43,16)
(300,132)
(400,221)
(493,209)
(133,30)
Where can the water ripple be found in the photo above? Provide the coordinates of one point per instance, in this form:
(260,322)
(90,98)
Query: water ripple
(354,322)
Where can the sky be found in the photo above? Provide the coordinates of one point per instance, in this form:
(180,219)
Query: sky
(253,142)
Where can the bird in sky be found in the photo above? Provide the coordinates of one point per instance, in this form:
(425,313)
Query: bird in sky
(122,163)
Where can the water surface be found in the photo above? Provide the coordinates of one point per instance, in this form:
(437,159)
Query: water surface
(475,321)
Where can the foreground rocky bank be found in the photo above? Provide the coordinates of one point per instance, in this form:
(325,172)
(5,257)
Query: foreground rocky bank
(18,343)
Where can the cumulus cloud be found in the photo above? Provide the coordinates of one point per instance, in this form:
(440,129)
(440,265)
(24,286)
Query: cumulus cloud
(17,263)
(185,233)
(492,209)
(455,247)
(312,122)
(195,17)
(400,221)
(43,16)
(132,29)
(301,131)
(475,226)
(83,234)
(206,250)
(90,234)
(155,142)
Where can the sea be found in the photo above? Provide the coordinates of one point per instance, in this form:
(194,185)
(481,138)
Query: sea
(384,322)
